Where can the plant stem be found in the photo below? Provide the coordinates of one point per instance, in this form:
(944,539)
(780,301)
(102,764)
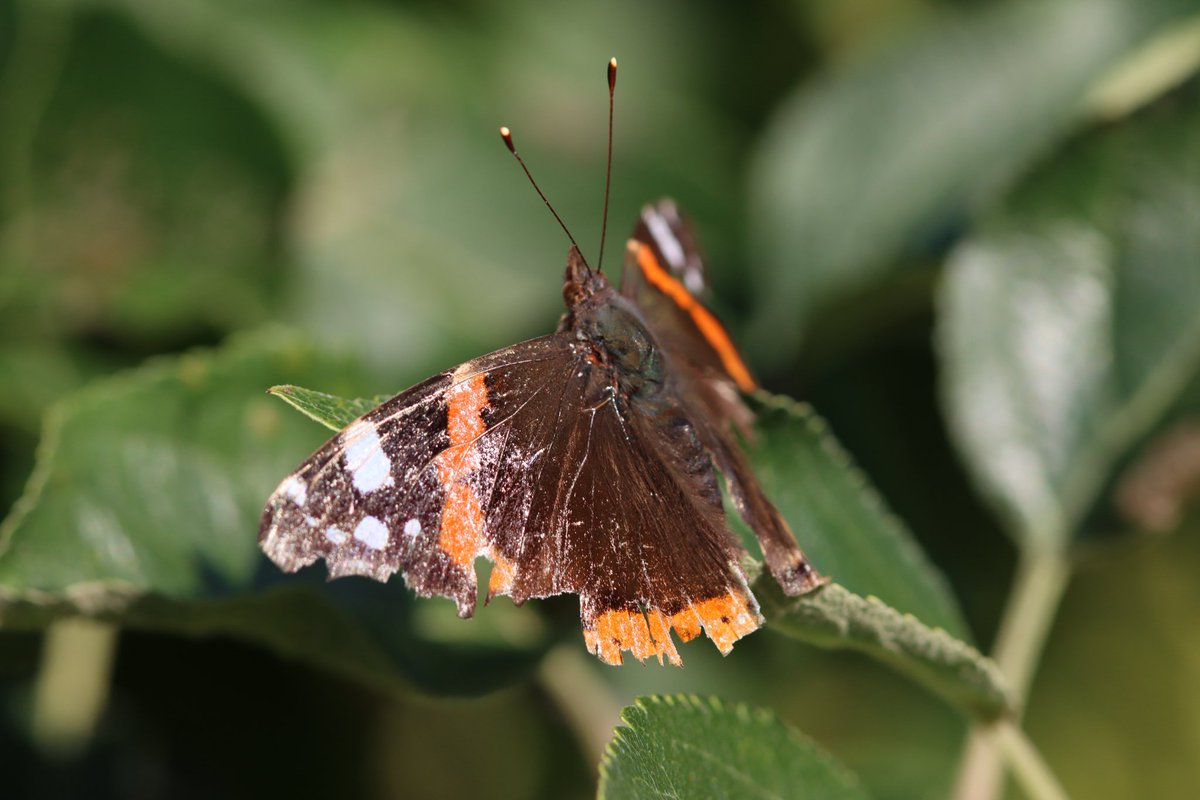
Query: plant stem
(72,685)
(1027,765)
(585,700)
(1037,590)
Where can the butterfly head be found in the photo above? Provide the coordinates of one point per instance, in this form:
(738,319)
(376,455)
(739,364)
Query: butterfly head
(581,282)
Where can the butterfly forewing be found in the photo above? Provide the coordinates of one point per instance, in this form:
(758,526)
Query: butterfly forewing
(531,458)
(664,273)
(393,492)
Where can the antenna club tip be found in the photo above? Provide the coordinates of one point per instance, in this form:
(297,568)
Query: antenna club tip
(506,135)
(612,63)
(612,72)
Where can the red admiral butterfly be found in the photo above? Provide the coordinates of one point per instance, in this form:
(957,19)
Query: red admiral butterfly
(579,462)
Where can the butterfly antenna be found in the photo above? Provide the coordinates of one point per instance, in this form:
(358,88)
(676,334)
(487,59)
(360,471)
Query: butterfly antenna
(612,88)
(506,135)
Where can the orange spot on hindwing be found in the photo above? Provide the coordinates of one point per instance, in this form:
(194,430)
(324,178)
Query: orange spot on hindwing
(618,630)
(725,618)
(710,327)
(461,534)
(503,572)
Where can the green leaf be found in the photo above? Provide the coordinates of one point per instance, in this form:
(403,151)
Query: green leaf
(331,411)
(840,520)
(833,617)
(143,509)
(154,479)
(1069,326)
(689,747)
(862,164)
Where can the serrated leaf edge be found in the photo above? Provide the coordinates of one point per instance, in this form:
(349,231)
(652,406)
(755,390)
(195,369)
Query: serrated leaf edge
(707,706)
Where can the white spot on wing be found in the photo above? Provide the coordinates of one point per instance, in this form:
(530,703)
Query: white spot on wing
(369,467)
(335,535)
(293,489)
(372,533)
(412,527)
(671,249)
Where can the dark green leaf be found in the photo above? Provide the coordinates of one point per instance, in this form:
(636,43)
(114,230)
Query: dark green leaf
(154,479)
(840,520)
(687,747)
(1070,325)
(862,164)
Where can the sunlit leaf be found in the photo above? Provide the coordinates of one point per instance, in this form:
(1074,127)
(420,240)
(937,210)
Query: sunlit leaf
(331,411)
(859,166)
(1070,325)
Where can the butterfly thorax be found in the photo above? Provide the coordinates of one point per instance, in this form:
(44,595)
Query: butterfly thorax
(612,331)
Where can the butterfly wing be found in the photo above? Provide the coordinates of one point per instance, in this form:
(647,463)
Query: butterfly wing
(387,493)
(600,497)
(528,458)
(663,274)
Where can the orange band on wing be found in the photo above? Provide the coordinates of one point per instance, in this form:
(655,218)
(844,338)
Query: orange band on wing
(710,327)
(461,534)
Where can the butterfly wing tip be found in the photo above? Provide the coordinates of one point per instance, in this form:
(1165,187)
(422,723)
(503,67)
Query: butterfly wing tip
(800,579)
(465,605)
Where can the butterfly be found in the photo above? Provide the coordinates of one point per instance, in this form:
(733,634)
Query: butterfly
(581,462)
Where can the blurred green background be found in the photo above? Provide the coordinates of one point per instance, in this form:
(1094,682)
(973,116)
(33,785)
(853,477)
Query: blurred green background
(326,177)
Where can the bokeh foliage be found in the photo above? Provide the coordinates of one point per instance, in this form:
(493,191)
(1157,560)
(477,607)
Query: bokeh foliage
(965,232)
